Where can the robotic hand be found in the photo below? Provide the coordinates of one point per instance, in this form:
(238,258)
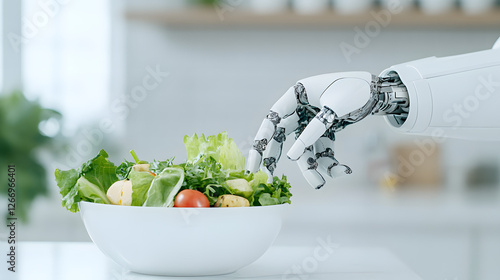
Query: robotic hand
(455,96)
(315,109)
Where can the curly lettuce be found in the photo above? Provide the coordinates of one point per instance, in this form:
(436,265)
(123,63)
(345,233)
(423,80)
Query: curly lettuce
(278,192)
(220,147)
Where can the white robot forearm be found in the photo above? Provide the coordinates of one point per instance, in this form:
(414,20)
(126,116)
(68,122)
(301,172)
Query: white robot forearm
(458,95)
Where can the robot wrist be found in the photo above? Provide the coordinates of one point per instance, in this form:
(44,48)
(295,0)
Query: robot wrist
(392,97)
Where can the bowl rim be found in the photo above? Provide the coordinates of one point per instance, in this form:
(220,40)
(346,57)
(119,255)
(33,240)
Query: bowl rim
(180,208)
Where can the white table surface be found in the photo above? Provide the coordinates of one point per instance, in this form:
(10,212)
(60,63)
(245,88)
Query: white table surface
(73,261)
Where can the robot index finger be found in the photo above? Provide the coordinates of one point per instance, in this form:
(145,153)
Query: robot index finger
(279,122)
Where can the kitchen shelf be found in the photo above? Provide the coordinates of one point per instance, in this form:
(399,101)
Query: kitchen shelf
(413,18)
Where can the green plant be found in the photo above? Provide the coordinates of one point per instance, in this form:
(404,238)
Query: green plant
(20,137)
(205,2)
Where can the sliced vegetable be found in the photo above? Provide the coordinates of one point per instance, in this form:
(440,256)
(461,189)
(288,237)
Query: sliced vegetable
(141,167)
(191,198)
(229,200)
(120,193)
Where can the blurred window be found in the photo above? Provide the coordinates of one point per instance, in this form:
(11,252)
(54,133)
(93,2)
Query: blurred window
(66,57)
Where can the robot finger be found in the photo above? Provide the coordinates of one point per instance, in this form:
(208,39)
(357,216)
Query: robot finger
(282,109)
(325,156)
(273,151)
(313,131)
(309,167)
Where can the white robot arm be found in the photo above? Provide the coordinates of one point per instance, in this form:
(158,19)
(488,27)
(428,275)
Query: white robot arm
(459,96)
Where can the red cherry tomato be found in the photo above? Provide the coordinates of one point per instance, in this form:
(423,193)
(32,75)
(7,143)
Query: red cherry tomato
(191,198)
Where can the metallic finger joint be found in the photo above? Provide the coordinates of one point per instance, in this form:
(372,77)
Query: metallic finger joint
(312,164)
(328,153)
(279,135)
(274,118)
(300,94)
(326,116)
(270,164)
(260,145)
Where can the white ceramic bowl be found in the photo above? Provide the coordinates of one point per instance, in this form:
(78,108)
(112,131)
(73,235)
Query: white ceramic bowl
(182,241)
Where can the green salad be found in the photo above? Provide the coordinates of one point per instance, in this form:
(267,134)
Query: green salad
(212,176)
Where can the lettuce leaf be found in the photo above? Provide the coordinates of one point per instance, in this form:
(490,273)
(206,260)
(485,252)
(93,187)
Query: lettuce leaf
(230,157)
(260,177)
(165,187)
(98,175)
(90,192)
(141,182)
(100,171)
(267,199)
(66,181)
(220,147)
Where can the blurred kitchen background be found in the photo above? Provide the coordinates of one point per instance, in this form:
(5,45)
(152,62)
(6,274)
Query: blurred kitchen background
(139,75)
